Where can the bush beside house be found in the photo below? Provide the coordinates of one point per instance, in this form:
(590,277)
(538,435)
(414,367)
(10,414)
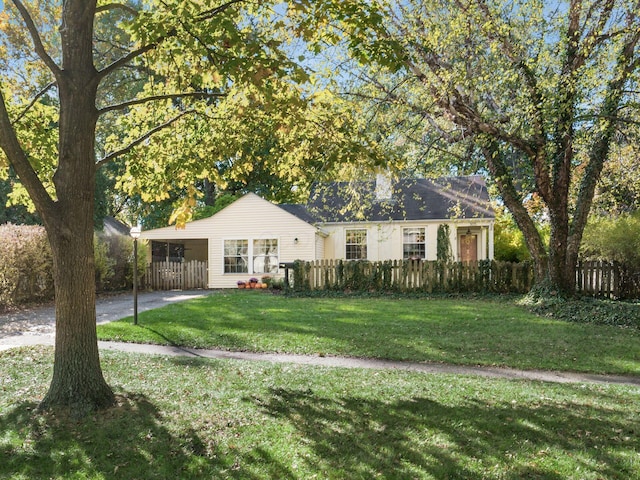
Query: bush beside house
(26,264)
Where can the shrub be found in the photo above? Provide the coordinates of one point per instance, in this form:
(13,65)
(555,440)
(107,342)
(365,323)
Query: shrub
(589,310)
(25,265)
(509,244)
(443,244)
(614,239)
(114,262)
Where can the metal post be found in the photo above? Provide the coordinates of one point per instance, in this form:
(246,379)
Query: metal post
(135,234)
(135,281)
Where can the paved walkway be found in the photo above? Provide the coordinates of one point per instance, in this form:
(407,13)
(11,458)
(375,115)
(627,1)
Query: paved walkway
(37,327)
(349,362)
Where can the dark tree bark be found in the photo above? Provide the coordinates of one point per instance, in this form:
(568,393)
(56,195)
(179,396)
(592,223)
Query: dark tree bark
(77,381)
(77,378)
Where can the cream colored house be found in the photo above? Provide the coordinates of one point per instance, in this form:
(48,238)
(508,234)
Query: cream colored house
(377,220)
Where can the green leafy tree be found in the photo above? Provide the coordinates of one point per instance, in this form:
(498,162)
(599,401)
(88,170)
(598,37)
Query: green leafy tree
(618,190)
(273,140)
(10,213)
(535,90)
(614,239)
(64,90)
(509,245)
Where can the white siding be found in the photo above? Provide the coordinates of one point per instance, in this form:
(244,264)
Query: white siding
(320,243)
(384,240)
(250,218)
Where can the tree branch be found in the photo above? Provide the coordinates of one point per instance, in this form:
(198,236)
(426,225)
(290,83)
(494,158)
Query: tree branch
(33,101)
(508,48)
(140,139)
(206,15)
(115,6)
(627,63)
(37,41)
(593,37)
(132,55)
(203,16)
(20,162)
(139,101)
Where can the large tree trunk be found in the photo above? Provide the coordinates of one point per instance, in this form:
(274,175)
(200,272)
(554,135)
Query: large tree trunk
(493,154)
(77,377)
(77,381)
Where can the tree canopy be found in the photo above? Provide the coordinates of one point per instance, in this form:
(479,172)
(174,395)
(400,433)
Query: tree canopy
(532,93)
(170,91)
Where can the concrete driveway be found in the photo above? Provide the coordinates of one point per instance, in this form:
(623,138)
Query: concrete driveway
(36,326)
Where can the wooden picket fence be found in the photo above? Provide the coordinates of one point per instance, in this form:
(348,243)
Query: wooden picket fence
(413,275)
(176,275)
(599,279)
(607,280)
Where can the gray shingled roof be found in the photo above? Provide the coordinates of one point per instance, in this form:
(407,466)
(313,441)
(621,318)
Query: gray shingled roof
(411,199)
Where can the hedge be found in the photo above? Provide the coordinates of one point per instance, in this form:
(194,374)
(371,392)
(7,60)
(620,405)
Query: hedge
(26,267)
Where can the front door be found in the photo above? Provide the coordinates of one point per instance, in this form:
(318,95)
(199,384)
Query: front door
(468,248)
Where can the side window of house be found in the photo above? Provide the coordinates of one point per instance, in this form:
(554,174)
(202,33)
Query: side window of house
(265,256)
(356,244)
(236,256)
(413,243)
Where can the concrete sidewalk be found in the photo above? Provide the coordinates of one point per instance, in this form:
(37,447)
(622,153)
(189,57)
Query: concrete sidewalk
(367,363)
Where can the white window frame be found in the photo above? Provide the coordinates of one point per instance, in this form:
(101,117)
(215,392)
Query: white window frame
(251,255)
(424,241)
(268,254)
(224,255)
(363,245)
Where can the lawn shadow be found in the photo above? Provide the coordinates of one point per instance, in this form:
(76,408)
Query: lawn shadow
(418,437)
(128,441)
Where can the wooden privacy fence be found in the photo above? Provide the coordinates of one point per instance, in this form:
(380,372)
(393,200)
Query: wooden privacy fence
(176,275)
(413,275)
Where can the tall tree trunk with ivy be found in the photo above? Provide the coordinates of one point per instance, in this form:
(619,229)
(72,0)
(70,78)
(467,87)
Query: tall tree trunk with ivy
(443,246)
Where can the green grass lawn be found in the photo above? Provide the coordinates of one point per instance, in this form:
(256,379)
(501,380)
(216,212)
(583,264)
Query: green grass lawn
(181,418)
(457,331)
